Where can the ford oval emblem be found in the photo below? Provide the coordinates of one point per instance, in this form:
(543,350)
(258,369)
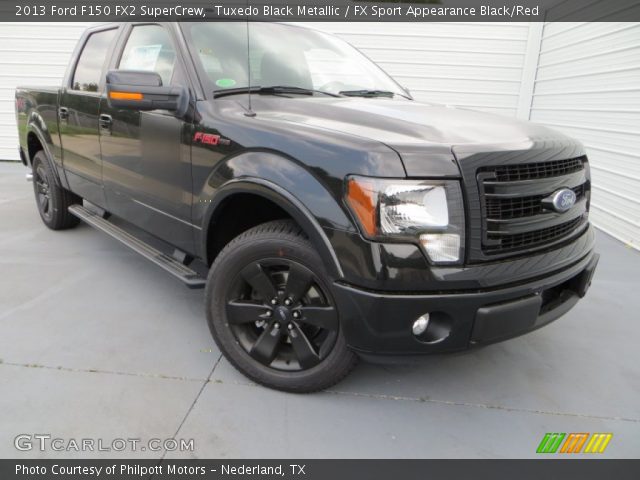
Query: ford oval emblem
(563,200)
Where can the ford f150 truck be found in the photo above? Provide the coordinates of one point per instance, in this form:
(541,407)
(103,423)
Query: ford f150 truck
(328,215)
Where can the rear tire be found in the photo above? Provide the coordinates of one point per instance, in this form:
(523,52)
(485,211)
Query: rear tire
(271,312)
(52,200)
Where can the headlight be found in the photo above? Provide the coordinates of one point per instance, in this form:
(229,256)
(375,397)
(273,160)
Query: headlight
(428,212)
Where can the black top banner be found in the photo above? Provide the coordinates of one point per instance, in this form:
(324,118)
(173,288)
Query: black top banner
(322,11)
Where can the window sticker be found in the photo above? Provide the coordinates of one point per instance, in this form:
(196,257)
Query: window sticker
(225,82)
(143,57)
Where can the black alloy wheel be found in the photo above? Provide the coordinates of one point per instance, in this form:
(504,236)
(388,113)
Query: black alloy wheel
(281,316)
(52,199)
(42,191)
(271,311)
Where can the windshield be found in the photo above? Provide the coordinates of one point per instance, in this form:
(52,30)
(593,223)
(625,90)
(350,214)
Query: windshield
(282,55)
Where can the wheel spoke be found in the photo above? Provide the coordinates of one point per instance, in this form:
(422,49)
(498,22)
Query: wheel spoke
(239,312)
(261,282)
(305,353)
(41,175)
(266,347)
(298,283)
(321,317)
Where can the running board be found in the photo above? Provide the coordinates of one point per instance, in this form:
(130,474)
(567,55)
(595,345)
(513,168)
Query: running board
(168,263)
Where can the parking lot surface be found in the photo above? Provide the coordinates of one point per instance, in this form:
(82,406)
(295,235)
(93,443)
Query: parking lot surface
(96,342)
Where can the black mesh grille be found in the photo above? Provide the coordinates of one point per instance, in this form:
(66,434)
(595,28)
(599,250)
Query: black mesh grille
(507,208)
(533,238)
(530,171)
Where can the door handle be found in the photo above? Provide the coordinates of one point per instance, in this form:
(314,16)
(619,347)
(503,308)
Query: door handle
(63,113)
(105,121)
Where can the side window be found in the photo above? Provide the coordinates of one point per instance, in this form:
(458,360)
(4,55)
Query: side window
(149,47)
(89,67)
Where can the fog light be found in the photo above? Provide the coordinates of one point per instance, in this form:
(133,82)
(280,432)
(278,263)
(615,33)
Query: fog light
(420,325)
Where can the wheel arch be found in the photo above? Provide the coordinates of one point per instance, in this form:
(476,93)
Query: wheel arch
(284,203)
(36,140)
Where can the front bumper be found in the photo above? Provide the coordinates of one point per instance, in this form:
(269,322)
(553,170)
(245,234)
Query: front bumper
(377,323)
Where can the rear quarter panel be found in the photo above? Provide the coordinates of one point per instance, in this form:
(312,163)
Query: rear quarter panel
(37,113)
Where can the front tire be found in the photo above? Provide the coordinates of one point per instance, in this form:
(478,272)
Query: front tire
(271,312)
(52,200)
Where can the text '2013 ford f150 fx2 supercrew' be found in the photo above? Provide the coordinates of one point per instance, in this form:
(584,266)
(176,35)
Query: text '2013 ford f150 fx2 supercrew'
(328,215)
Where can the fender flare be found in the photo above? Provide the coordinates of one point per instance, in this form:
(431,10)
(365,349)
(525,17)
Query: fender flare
(32,127)
(290,204)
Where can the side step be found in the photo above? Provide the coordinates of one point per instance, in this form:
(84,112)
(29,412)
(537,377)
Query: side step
(171,265)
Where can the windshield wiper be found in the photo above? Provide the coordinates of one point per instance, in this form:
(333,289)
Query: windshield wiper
(299,90)
(367,93)
(273,90)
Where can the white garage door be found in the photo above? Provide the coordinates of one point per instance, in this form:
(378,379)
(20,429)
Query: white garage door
(30,54)
(588,85)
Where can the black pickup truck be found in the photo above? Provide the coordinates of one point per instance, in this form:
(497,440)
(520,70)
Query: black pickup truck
(328,215)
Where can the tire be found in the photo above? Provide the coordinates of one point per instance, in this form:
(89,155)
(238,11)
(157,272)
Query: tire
(51,199)
(271,313)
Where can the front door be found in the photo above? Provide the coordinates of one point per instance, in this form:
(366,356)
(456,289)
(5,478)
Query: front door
(146,155)
(78,114)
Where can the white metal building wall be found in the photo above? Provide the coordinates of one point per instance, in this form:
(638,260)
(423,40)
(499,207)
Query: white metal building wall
(588,86)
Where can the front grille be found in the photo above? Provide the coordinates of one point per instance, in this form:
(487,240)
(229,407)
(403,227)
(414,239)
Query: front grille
(532,171)
(535,237)
(513,215)
(506,208)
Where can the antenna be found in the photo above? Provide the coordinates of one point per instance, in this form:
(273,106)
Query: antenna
(249,112)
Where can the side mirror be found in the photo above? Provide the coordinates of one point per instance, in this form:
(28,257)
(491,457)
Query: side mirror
(143,90)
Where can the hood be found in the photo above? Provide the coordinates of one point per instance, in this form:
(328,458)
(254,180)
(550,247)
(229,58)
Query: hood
(419,132)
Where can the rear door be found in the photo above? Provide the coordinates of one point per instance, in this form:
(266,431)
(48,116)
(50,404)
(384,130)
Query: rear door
(78,116)
(146,155)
